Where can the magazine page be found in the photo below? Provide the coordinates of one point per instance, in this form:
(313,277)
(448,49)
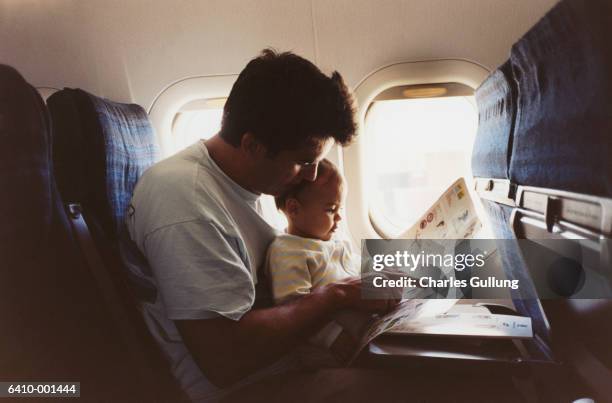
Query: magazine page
(467,320)
(452,216)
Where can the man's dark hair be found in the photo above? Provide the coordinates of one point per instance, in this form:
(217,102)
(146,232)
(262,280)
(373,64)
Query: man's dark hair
(285,100)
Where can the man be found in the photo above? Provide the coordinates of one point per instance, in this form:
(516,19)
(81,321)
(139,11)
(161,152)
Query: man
(196,219)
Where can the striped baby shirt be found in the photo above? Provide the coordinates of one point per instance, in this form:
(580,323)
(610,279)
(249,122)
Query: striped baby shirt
(295,265)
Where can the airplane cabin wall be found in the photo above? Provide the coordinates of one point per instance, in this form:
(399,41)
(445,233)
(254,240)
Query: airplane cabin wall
(131,50)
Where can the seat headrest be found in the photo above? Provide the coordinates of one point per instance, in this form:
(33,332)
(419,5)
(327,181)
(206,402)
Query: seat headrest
(25,166)
(101,148)
(562,133)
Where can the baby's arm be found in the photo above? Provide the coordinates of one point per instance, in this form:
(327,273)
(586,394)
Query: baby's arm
(288,272)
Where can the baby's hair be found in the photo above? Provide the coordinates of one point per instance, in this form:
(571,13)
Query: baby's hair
(326,171)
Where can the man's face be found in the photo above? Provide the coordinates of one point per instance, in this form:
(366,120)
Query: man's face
(289,167)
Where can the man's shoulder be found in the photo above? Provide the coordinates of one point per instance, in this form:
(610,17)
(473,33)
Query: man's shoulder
(181,175)
(176,190)
(171,170)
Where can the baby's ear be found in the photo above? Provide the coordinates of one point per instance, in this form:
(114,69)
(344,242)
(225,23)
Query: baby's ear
(292,206)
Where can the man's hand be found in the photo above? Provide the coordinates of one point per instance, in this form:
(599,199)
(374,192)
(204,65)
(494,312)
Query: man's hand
(349,294)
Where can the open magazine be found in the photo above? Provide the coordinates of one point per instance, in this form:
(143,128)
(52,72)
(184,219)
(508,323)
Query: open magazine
(468,320)
(452,216)
(360,329)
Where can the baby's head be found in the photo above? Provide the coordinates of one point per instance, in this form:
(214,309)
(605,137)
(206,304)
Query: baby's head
(313,208)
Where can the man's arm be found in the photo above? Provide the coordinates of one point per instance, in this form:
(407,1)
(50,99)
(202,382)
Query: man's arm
(227,351)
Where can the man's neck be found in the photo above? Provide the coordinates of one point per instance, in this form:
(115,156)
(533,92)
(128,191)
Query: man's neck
(230,160)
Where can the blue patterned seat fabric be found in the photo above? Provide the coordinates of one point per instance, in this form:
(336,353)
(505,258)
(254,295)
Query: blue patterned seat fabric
(130,147)
(563,66)
(496,101)
(101,149)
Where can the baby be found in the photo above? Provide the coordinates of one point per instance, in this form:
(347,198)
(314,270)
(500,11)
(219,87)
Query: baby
(309,255)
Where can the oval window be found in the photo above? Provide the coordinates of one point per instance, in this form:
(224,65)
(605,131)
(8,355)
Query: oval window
(419,140)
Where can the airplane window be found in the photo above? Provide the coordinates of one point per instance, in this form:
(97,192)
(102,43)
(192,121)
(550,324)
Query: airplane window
(420,140)
(200,119)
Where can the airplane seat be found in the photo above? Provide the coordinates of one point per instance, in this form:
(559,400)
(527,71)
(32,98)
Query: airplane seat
(561,162)
(556,196)
(24,129)
(54,326)
(497,105)
(562,68)
(101,148)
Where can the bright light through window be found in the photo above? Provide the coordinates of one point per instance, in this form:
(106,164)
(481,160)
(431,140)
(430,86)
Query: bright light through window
(416,149)
(198,120)
(191,126)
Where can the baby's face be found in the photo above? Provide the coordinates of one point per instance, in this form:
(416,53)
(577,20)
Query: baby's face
(319,210)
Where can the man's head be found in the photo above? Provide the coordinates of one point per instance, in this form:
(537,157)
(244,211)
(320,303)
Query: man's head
(313,209)
(286,114)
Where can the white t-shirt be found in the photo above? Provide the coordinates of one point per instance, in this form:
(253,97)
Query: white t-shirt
(203,238)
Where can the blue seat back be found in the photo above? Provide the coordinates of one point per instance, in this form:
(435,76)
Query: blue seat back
(101,150)
(545,122)
(25,167)
(563,66)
